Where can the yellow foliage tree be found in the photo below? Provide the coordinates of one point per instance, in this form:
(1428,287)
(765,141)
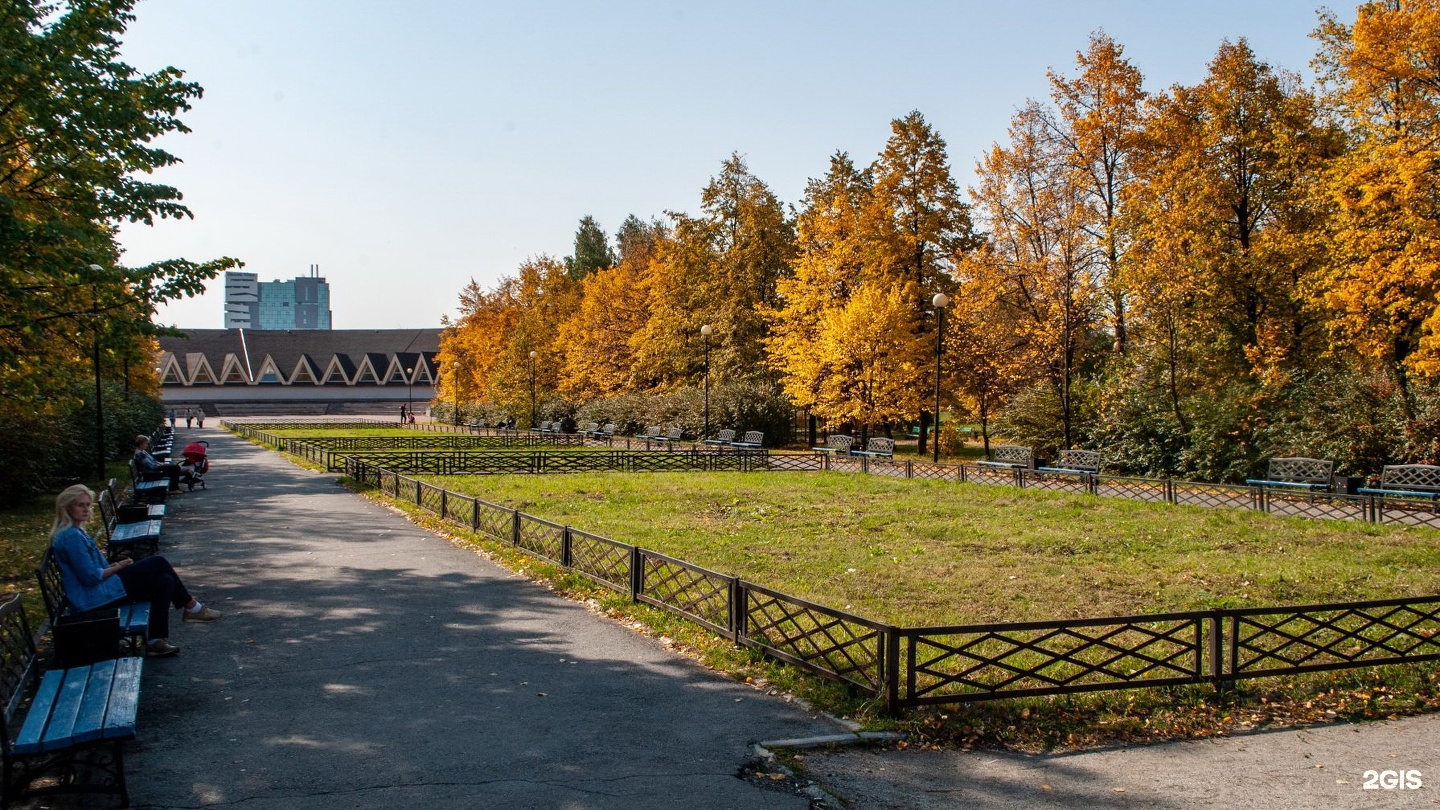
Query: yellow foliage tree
(1382,280)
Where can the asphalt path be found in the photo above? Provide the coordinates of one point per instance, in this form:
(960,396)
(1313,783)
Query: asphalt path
(364,662)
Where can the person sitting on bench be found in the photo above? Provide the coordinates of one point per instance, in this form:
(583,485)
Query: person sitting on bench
(91,583)
(146,463)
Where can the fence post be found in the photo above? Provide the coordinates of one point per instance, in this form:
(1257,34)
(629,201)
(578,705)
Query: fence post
(565,547)
(1170,490)
(739,597)
(515,528)
(637,573)
(444,504)
(890,669)
(474,514)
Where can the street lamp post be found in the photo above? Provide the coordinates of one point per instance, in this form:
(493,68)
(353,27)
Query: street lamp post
(941,300)
(533,354)
(99,395)
(410,392)
(705,332)
(455,370)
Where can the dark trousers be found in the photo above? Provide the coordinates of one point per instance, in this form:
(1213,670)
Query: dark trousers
(153,580)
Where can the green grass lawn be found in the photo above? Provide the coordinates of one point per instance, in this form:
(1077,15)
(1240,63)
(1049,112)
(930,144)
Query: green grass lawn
(927,552)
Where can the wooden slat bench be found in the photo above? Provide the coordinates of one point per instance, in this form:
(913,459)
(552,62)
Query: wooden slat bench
(148,487)
(724,437)
(1075,462)
(836,445)
(117,496)
(752,438)
(136,537)
(1010,455)
(1309,474)
(70,738)
(878,447)
(134,618)
(1412,483)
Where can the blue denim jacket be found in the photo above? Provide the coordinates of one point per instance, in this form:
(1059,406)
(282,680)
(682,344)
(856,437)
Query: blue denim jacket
(82,571)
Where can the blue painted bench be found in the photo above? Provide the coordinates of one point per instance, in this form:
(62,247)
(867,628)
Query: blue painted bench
(836,445)
(1413,483)
(148,487)
(879,447)
(134,618)
(671,435)
(1307,474)
(129,532)
(117,496)
(70,738)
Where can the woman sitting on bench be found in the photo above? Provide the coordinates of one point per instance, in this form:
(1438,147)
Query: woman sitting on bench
(90,583)
(146,463)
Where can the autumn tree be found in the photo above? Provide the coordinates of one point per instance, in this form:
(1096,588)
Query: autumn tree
(718,269)
(829,265)
(1097,123)
(917,225)
(1225,222)
(1381,277)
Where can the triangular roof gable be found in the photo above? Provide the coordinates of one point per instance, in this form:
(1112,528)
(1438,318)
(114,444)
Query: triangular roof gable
(429,370)
(269,373)
(304,371)
(200,370)
(365,372)
(170,371)
(232,372)
(339,371)
(395,370)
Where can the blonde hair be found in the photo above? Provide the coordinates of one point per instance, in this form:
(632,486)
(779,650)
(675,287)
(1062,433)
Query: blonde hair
(67,498)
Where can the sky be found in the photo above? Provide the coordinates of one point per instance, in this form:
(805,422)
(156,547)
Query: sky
(408,148)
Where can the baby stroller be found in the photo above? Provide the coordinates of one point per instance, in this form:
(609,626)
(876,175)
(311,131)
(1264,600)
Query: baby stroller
(197,463)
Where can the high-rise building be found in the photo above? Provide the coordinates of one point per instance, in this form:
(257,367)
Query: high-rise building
(301,303)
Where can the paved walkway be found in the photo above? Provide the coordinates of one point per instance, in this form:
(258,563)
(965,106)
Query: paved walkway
(364,662)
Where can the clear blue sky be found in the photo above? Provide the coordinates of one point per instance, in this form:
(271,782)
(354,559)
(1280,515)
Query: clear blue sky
(409,147)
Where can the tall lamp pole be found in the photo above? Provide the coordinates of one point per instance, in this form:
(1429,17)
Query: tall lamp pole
(705,332)
(941,300)
(410,392)
(455,370)
(99,395)
(533,354)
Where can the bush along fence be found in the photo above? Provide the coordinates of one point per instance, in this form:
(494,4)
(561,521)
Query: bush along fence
(476,455)
(914,666)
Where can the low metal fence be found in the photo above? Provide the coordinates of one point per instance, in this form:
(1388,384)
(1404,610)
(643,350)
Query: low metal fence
(918,666)
(536,454)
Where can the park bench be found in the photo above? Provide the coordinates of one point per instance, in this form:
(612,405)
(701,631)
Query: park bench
(117,496)
(590,428)
(652,432)
(836,445)
(724,437)
(604,432)
(1010,455)
(753,438)
(134,617)
(671,434)
(1309,474)
(1075,462)
(129,531)
(878,447)
(70,737)
(543,427)
(1415,483)
(148,488)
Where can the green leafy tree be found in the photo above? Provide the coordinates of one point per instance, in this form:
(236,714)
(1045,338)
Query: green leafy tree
(592,250)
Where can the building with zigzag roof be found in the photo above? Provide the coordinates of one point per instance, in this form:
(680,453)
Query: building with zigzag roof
(238,372)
